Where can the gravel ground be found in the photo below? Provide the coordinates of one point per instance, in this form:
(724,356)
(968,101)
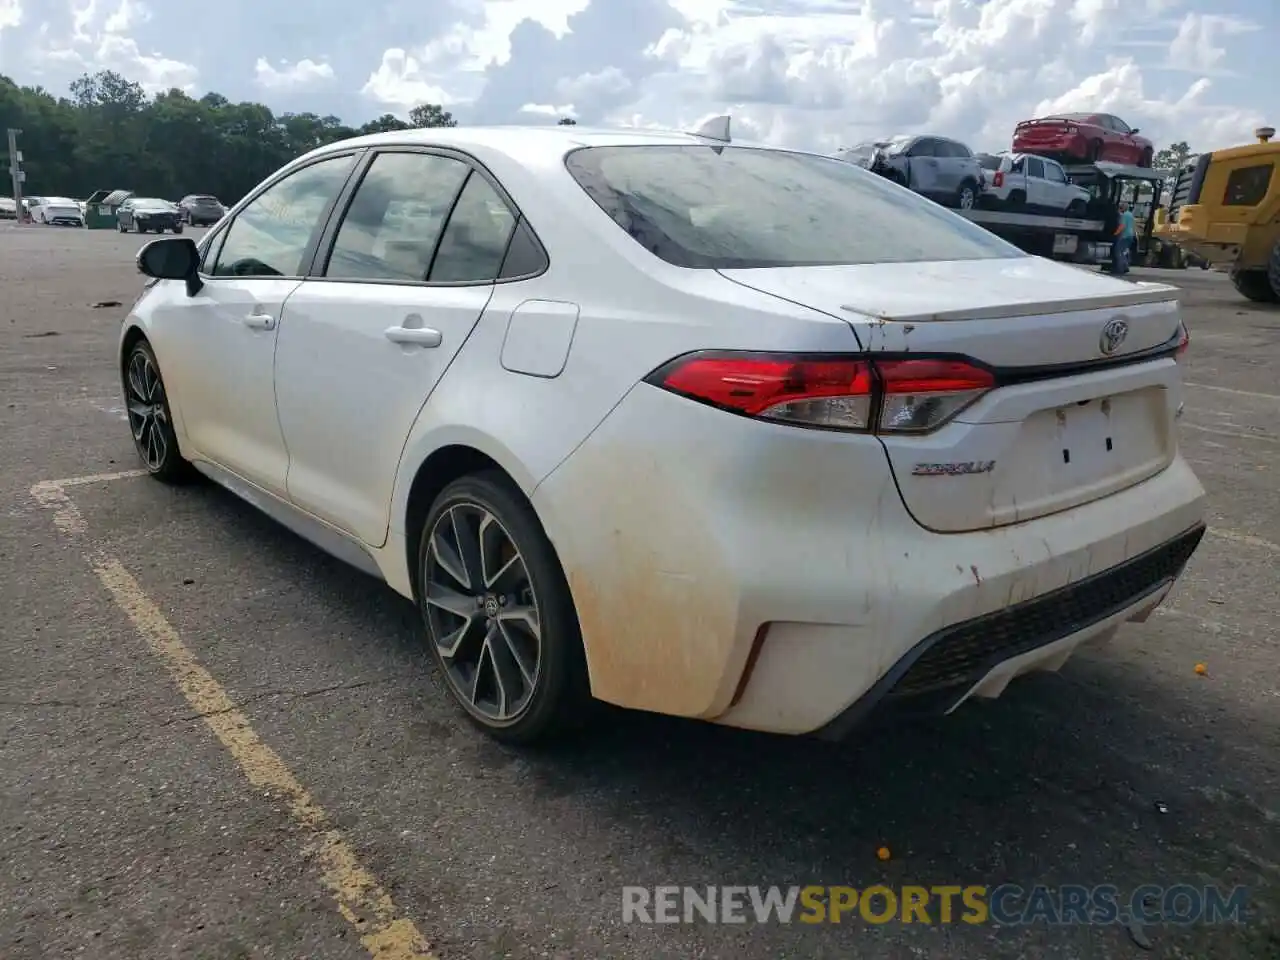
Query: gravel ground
(129,830)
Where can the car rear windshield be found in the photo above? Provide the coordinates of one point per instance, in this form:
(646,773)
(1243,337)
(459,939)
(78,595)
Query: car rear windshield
(989,162)
(209,200)
(152,205)
(716,207)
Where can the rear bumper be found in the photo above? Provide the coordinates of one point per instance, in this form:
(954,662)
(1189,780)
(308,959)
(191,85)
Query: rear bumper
(1071,144)
(978,657)
(770,578)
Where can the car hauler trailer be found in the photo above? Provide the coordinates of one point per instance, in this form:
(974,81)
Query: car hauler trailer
(1060,238)
(1084,239)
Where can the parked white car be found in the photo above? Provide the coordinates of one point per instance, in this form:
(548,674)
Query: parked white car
(57,210)
(706,429)
(1021,180)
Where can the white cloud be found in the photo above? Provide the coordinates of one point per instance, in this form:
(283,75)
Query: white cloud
(400,81)
(1201,43)
(10,14)
(814,73)
(99,40)
(304,73)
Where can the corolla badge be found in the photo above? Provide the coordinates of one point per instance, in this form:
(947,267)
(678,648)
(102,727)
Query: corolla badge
(1112,336)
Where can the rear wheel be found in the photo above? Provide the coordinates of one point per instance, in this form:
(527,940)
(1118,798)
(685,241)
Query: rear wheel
(499,618)
(1145,159)
(1254,285)
(1017,200)
(1076,208)
(1273,269)
(1095,151)
(178,228)
(149,418)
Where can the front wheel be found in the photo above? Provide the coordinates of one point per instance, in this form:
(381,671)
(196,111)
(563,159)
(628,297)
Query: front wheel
(150,420)
(967,196)
(178,228)
(499,618)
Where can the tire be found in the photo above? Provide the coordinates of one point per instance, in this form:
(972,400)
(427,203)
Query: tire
(1145,159)
(1254,285)
(967,196)
(153,435)
(1095,151)
(1017,200)
(1076,208)
(547,640)
(120,227)
(1273,269)
(178,228)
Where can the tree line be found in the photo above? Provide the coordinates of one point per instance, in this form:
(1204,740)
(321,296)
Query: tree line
(110,135)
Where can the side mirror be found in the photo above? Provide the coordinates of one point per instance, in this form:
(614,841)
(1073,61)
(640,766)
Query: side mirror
(1135,130)
(172,258)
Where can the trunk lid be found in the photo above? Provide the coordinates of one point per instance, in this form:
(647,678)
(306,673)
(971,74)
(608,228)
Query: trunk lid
(1076,417)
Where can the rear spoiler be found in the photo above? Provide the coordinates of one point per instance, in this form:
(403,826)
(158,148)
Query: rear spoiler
(1069,124)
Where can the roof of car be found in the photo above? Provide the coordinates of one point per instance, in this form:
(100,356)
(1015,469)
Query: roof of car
(517,141)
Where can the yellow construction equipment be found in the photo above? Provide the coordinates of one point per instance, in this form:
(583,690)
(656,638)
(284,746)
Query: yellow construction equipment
(1225,209)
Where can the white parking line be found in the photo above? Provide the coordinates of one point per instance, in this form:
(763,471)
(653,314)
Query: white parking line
(384,932)
(1247,539)
(1238,434)
(1232,391)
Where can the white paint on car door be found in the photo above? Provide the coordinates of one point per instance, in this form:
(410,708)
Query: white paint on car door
(226,333)
(362,347)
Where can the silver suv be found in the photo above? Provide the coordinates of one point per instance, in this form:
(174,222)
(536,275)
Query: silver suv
(941,169)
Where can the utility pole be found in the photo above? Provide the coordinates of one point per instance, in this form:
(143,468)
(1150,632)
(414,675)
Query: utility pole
(15,172)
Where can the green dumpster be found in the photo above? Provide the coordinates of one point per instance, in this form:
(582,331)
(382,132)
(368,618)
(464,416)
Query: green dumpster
(100,208)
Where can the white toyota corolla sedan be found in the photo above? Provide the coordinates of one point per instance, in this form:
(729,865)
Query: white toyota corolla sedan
(707,429)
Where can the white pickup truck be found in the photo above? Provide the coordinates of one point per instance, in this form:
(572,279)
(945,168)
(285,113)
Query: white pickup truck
(1020,181)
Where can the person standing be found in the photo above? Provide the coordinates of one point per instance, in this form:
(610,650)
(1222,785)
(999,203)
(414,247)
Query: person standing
(1122,241)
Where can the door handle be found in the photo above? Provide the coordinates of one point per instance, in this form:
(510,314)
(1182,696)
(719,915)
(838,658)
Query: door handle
(260,321)
(415,336)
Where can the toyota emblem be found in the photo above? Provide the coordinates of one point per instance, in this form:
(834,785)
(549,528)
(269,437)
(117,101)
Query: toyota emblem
(1112,336)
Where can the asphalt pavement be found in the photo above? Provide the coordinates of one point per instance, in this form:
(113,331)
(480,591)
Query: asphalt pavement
(216,742)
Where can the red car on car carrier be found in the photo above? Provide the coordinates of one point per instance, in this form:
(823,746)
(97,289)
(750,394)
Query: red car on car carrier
(1087,137)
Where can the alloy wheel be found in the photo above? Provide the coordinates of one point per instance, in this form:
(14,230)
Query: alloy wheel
(148,414)
(966,198)
(482,613)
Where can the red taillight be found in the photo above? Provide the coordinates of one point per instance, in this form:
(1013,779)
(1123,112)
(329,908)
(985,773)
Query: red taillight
(998,179)
(1184,340)
(841,393)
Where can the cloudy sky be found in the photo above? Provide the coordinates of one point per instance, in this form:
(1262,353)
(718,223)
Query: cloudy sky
(810,73)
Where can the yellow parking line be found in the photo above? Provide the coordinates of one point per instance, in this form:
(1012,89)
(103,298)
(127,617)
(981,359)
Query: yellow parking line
(385,933)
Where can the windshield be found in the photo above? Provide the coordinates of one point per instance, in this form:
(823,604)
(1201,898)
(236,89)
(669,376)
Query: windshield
(989,162)
(715,207)
(205,201)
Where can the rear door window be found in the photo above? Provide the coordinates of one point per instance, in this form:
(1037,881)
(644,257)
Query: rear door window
(475,240)
(394,221)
